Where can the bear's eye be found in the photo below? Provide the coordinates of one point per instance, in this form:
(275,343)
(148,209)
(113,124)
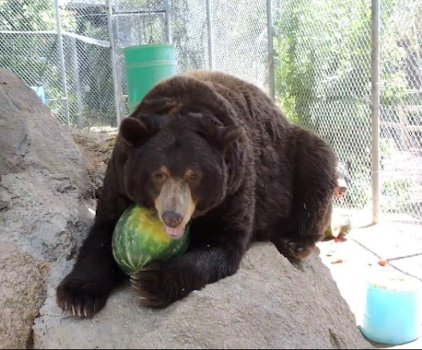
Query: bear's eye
(191,177)
(159,176)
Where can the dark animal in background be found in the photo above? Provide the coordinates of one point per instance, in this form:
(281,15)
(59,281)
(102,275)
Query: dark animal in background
(340,224)
(343,179)
(212,150)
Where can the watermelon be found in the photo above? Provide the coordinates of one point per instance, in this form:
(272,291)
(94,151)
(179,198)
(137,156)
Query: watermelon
(139,238)
(339,227)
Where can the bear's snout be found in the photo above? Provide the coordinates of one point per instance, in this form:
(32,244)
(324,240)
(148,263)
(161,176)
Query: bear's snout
(172,219)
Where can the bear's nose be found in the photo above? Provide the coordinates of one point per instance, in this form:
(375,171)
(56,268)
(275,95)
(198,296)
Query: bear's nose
(342,190)
(172,218)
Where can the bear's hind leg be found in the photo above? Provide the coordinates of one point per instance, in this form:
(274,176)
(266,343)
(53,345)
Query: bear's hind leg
(314,181)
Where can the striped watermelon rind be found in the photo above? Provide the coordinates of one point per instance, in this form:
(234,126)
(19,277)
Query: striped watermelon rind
(139,238)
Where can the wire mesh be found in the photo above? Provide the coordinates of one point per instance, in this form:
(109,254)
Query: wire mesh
(135,23)
(189,30)
(322,54)
(239,29)
(401,113)
(77,87)
(323,81)
(239,46)
(87,53)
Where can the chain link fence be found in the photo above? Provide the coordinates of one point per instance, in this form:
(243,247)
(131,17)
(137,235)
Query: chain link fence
(323,81)
(71,53)
(61,49)
(401,108)
(241,45)
(201,34)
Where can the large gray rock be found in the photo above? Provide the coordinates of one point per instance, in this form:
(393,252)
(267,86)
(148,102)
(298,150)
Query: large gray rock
(42,217)
(42,173)
(268,303)
(31,137)
(22,294)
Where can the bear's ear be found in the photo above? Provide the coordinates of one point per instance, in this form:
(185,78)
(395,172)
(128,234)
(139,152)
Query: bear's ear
(213,130)
(133,131)
(224,137)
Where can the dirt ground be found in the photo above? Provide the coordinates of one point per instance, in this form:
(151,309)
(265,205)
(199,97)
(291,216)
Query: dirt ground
(96,147)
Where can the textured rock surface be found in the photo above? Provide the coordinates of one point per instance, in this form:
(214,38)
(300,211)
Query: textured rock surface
(42,173)
(267,304)
(22,294)
(42,216)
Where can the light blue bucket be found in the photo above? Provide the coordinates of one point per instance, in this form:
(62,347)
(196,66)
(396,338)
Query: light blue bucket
(39,90)
(392,310)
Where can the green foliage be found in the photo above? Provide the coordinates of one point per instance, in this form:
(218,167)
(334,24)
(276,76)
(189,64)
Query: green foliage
(189,43)
(31,56)
(27,15)
(323,73)
(396,194)
(323,57)
(30,15)
(26,54)
(29,47)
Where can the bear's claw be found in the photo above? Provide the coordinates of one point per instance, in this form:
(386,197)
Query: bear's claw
(80,299)
(158,285)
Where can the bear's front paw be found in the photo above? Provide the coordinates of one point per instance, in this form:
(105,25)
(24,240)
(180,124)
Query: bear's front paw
(158,285)
(81,297)
(295,250)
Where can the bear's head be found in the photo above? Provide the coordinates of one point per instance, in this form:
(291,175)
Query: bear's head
(343,179)
(178,164)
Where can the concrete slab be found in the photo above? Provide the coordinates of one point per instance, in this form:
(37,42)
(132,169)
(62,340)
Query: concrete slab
(390,240)
(355,260)
(410,265)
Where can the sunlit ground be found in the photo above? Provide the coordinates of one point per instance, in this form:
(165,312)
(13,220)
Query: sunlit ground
(362,255)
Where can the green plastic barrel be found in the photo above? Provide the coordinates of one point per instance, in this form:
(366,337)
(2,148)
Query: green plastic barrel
(146,65)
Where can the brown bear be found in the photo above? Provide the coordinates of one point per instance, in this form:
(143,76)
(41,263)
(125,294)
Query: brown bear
(212,150)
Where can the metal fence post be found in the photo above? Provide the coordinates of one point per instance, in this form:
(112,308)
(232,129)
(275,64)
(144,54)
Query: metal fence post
(113,61)
(77,81)
(62,62)
(375,108)
(270,50)
(167,21)
(209,32)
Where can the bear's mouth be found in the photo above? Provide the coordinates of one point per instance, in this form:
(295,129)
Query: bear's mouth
(175,232)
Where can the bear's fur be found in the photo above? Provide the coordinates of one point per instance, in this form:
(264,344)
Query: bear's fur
(213,149)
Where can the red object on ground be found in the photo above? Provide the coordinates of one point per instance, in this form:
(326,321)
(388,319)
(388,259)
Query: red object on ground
(382,262)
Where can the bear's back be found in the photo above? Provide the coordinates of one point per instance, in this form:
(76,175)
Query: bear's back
(262,117)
